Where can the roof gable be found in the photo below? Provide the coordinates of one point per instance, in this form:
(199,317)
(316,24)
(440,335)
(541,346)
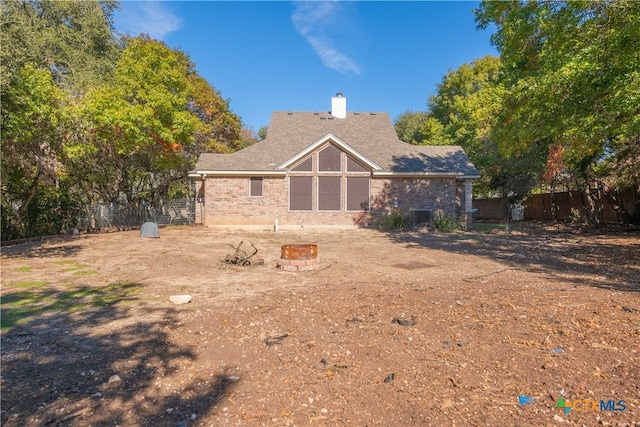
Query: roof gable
(329,139)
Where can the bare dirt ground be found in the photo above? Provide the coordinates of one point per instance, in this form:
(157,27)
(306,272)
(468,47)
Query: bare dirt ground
(393,329)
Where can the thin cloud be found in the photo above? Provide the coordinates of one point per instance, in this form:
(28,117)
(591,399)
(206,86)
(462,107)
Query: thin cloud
(148,17)
(312,20)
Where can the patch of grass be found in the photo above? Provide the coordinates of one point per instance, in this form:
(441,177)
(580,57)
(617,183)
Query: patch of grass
(76,268)
(84,272)
(22,306)
(28,284)
(23,270)
(115,293)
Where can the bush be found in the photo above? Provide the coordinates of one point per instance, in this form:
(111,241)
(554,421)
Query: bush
(396,221)
(444,223)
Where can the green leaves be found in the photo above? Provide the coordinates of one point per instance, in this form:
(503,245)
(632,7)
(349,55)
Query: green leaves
(571,74)
(74,40)
(88,117)
(32,124)
(572,69)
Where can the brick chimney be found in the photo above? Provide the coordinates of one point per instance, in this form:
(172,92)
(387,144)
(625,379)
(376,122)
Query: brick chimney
(339,106)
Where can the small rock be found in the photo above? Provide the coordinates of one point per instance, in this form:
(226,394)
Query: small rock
(390,378)
(403,322)
(182,424)
(324,411)
(558,418)
(169,410)
(114,378)
(180,299)
(97,394)
(193,416)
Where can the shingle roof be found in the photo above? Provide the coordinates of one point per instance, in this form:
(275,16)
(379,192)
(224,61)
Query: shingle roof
(370,134)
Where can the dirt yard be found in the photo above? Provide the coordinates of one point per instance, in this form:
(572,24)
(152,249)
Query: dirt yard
(393,329)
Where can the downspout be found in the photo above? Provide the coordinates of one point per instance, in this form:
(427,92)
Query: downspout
(202,200)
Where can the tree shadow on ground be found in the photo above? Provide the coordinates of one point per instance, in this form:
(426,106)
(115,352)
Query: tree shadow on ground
(609,261)
(54,247)
(95,362)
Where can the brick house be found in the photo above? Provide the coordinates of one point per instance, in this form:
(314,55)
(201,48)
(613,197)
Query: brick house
(334,168)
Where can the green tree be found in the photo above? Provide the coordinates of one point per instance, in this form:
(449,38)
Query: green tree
(465,105)
(409,126)
(262,133)
(573,76)
(74,40)
(32,131)
(142,132)
(52,52)
(462,112)
(138,124)
(220,130)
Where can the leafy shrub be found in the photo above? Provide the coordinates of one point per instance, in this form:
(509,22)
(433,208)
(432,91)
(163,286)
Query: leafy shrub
(396,221)
(444,223)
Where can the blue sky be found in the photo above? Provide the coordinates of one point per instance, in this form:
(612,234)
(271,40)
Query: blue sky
(270,56)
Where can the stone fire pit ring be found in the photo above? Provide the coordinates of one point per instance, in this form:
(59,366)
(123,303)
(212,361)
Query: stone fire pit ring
(298,257)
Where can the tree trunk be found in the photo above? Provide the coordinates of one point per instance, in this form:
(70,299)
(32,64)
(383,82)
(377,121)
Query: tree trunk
(595,205)
(30,195)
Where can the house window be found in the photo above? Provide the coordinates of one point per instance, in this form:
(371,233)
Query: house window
(329,193)
(357,193)
(304,166)
(329,159)
(256,186)
(300,193)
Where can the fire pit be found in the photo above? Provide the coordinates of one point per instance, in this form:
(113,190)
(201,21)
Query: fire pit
(298,257)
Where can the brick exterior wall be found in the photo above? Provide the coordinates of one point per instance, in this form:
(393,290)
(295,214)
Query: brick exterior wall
(227,202)
(414,193)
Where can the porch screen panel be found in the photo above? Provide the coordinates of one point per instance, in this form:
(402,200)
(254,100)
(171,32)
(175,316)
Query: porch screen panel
(329,193)
(354,166)
(300,193)
(329,159)
(304,166)
(358,193)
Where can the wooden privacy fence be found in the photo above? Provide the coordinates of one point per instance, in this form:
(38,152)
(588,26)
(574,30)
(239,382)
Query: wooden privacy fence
(541,207)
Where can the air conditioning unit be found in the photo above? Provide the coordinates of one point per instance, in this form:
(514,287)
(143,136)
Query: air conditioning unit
(419,217)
